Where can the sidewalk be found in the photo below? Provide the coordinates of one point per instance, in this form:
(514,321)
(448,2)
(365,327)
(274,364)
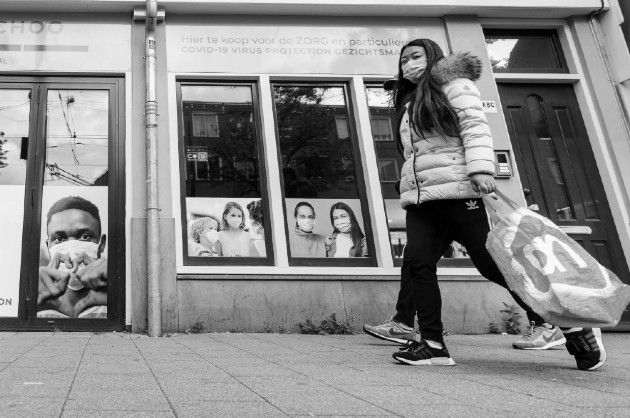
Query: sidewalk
(279,375)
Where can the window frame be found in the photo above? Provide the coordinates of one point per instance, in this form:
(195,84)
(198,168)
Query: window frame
(188,260)
(555,42)
(371,259)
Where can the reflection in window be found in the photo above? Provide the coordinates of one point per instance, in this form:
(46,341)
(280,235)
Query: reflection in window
(388,169)
(524,51)
(205,124)
(224,214)
(77,135)
(547,163)
(314,135)
(537,116)
(381,128)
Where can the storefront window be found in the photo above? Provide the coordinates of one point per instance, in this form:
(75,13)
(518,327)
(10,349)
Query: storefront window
(14,132)
(390,161)
(224,212)
(323,188)
(75,208)
(524,51)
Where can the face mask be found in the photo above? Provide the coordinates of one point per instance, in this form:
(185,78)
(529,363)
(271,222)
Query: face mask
(72,248)
(212,236)
(343,225)
(306,224)
(412,70)
(234,222)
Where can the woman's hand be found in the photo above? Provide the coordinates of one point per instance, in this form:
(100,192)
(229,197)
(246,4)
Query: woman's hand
(483,182)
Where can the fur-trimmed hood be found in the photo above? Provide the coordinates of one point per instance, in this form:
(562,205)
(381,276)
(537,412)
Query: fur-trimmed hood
(457,65)
(449,68)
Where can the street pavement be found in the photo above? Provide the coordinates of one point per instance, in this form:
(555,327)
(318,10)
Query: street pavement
(277,375)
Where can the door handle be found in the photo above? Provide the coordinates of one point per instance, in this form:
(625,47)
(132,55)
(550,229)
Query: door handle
(527,191)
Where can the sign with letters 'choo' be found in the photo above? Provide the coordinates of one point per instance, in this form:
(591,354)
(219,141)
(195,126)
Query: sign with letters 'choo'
(42,43)
(289,47)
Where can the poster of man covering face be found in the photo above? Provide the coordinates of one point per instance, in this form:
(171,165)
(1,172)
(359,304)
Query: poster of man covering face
(72,279)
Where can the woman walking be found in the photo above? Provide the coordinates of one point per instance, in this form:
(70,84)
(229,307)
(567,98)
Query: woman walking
(449,160)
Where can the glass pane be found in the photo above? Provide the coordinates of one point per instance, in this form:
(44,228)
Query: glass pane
(526,53)
(548,167)
(389,160)
(75,206)
(324,214)
(224,215)
(14,132)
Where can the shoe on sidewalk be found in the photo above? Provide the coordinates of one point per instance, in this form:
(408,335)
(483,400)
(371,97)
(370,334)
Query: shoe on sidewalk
(420,353)
(391,331)
(585,344)
(540,337)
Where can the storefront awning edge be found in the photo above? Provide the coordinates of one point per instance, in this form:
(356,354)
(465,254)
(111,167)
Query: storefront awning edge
(392,8)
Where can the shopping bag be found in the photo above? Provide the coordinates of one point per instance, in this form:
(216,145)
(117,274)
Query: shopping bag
(551,272)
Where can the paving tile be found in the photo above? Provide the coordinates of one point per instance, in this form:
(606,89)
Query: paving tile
(30,407)
(204,409)
(182,393)
(93,413)
(138,400)
(125,382)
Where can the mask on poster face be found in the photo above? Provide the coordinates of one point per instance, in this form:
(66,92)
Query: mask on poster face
(412,70)
(343,225)
(234,222)
(306,224)
(72,248)
(212,236)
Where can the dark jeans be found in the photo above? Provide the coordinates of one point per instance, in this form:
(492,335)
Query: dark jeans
(431,228)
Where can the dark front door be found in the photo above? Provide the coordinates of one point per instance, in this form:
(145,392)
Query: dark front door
(62,246)
(558,170)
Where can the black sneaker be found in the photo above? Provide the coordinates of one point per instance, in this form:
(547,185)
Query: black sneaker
(422,354)
(585,344)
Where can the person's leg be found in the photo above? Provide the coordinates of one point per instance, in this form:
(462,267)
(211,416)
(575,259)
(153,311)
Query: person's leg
(405,306)
(471,231)
(398,329)
(427,238)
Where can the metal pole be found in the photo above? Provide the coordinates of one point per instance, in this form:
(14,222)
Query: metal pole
(153,210)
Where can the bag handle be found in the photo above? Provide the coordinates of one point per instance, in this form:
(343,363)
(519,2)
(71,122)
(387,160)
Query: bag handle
(500,206)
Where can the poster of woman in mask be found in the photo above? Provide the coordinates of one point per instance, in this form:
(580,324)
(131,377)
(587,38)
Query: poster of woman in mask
(73,259)
(325,228)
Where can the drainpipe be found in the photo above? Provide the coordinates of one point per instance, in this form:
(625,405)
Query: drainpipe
(153,210)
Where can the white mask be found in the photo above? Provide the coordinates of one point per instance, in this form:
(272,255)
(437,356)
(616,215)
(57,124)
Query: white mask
(306,224)
(72,248)
(343,225)
(412,70)
(234,222)
(212,235)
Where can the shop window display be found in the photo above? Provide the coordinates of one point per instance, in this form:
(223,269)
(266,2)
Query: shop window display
(223,206)
(324,204)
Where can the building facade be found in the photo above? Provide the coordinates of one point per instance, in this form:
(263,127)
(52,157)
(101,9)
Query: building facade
(272,120)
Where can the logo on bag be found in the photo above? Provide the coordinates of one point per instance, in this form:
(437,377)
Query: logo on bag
(473,204)
(544,251)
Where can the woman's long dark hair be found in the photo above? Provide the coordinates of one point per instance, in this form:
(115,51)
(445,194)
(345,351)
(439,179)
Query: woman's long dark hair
(356,234)
(429,108)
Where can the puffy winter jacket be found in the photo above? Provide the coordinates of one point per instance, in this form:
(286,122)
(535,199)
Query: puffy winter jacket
(439,167)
